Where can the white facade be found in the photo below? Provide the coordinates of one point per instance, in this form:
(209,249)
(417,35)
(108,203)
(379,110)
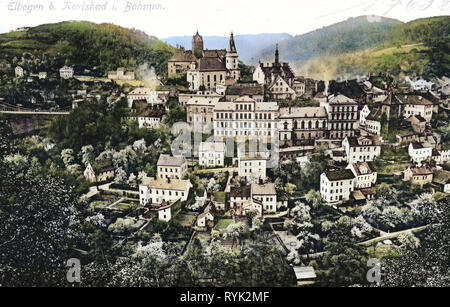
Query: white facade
(149,122)
(259,75)
(245,118)
(363,115)
(361,149)
(171,167)
(158,191)
(253,169)
(373,127)
(152,97)
(365,176)
(336,186)
(66,72)
(267,195)
(211,154)
(420,152)
(19,71)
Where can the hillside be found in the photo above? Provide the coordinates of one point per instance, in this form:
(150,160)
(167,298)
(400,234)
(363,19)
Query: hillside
(351,35)
(93,49)
(246,44)
(418,48)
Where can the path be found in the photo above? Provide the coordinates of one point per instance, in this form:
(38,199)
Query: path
(392,235)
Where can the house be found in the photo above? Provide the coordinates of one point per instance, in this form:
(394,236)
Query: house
(211,154)
(418,123)
(363,115)
(420,152)
(405,137)
(337,185)
(19,72)
(200,96)
(171,167)
(417,105)
(100,171)
(147,116)
(361,149)
(373,122)
(305,276)
(66,72)
(206,219)
(420,84)
(279,89)
(180,62)
(162,190)
(212,68)
(253,169)
(242,202)
(121,74)
(419,176)
(442,179)
(365,174)
(267,195)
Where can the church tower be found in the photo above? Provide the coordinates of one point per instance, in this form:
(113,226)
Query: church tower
(232,60)
(197,45)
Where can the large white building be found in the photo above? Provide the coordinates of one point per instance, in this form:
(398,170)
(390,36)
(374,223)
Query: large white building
(171,167)
(157,191)
(211,154)
(365,174)
(417,105)
(258,198)
(337,186)
(246,118)
(361,149)
(161,194)
(151,96)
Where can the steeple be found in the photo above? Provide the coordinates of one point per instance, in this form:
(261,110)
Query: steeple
(232,44)
(277,56)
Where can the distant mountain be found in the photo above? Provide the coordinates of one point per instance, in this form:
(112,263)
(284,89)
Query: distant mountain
(247,45)
(351,35)
(96,48)
(417,48)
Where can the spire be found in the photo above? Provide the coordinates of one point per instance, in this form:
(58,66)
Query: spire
(232,44)
(277,56)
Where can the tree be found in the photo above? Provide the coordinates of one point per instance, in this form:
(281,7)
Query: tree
(121,176)
(87,154)
(315,198)
(38,213)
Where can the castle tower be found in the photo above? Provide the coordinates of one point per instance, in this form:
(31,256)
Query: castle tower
(197,45)
(232,60)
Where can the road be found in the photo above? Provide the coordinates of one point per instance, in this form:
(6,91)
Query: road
(393,235)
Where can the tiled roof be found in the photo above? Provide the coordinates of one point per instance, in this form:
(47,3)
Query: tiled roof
(264,189)
(306,112)
(167,184)
(211,64)
(183,56)
(375,115)
(214,53)
(212,146)
(166,160)
(245,90)
(359,166)
(340,99)
(442,177)
(414,100)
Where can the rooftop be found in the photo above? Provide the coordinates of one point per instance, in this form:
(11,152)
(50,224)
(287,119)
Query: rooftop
(167,160)
(212,146)
(241,192)
(264,189)
(336,175)
(166,184)
(306,112)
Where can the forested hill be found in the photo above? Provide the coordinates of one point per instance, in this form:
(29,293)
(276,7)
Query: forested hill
(348,36)
(91,48)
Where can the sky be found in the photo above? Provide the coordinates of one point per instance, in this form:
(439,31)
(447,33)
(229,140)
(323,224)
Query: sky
(164,18)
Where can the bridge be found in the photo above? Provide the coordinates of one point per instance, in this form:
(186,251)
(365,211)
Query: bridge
(6,108)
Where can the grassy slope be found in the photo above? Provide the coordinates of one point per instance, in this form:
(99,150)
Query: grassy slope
(95,47)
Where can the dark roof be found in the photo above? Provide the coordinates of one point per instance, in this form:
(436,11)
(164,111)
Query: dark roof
(211,64)
(441,177)
(357,141)
(243,89)
(241,192)
(375,114)
(368,165)
(414,99)
(419,118)
(417,145)
(345,174)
